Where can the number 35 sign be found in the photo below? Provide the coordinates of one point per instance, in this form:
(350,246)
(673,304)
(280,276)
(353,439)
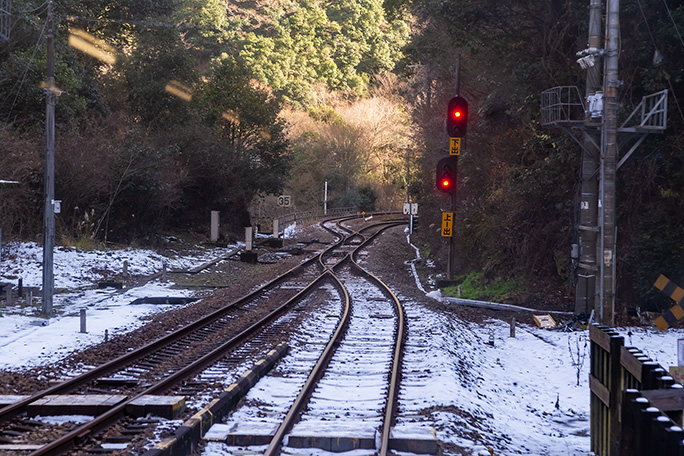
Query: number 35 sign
(285,200)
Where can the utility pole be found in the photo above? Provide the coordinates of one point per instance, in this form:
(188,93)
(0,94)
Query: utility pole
(598,216)
(49,193)
(588,223)
(609,150)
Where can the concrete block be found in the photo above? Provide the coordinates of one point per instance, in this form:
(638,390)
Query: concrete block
(169,407)
(414,438)
(11,399)
(331,443)
(86,404)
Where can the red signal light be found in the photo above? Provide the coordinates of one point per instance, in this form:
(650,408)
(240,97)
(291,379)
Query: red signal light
(446,183)
(457,117)
(447,169)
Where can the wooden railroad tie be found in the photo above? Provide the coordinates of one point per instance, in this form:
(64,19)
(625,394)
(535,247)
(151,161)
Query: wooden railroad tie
(676,312)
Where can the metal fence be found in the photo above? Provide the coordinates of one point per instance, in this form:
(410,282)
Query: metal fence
(5,16)
(636,408)
(316,214)
(562,106)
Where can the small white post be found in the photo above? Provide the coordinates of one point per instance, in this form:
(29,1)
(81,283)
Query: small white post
(513,327)
(325,199)
(83,321)
(125,267)
(214,226)
(164,272)
(248,238)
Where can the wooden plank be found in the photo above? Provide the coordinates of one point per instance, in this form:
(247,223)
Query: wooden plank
(631,364)
(600,337)
(599,390)
(666,399)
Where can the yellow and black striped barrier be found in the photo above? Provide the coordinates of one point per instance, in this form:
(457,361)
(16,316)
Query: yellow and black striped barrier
(675,313)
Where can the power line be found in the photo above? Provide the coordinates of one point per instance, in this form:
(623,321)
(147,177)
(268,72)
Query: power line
(669,13)
(646,22)
(23,78)
(33,10)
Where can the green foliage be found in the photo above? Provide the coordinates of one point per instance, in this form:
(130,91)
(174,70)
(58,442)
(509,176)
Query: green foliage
(517,211)
(474,286)
(158,58)
(340,44)
(363,198)
(326,114)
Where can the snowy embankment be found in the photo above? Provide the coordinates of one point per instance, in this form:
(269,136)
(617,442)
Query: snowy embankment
(27,340)
(476,385)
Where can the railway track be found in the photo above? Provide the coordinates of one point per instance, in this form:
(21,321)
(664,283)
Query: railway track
(350,394)
(212,347)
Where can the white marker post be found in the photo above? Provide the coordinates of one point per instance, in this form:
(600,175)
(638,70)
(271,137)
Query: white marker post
(248,238)
(214,226)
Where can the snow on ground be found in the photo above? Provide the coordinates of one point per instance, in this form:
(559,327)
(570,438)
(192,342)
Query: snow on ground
(27,340)
(475,384)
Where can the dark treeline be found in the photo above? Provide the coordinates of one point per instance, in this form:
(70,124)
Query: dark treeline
(517,208)
(212,103)
(180,111)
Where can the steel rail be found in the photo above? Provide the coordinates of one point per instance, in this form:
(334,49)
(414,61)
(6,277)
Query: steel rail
(323,361)
(395,376)
(318,369)
(8,412)
(70,440)
(61,445)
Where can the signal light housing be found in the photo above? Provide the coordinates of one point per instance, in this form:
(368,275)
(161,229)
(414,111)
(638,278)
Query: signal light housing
(457,117)
(447,169)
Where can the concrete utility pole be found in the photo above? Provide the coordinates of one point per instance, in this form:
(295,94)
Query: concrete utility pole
(609,150)
(588,225)
(49,211)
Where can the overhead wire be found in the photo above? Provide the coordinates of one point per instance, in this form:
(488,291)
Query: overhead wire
(669,81)
(669,13)
(23,78)
(646,22)
(33,10)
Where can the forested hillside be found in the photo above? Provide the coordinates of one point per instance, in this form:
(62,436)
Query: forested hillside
(518,211)
(207,105)
(179,110)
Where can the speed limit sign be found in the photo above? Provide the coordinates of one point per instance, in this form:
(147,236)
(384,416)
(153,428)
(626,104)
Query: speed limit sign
(285,200)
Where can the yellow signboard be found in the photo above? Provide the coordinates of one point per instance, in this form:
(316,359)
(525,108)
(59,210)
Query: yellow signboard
(447,223)
(454,146)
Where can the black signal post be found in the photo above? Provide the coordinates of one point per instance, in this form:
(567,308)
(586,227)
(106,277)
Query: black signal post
(447,168)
